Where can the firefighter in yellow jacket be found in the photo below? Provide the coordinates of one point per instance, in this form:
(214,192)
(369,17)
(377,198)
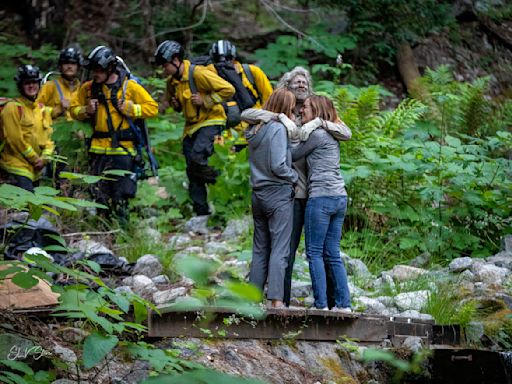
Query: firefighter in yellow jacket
(59,92)
(253,79)
(111,101)
(26,126)
(204,116)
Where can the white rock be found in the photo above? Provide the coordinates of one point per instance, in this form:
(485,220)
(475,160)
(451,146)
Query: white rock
(37,251)
(124,288)
(153,234)
(460,264)
(372,306)
(160,279)
(90,247)
(236,228)
(413,343)
(411,300)
(179,241)
(143,285)
(406,272)
(198,224)
(216,248)
(490,274)
(168,296)
(65,354)
(413,314)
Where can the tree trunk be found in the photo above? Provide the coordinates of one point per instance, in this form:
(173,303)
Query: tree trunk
(149,42)
(409,71)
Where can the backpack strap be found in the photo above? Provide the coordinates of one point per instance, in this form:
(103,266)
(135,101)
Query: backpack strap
(250,77)
(191,81)
(59,89)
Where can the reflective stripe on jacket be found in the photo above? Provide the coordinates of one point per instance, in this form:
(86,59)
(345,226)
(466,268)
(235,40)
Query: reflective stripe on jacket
(139,105)
(212,88)
(27,137)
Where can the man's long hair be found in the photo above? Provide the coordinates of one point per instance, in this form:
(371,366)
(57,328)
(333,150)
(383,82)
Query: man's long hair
(286,79)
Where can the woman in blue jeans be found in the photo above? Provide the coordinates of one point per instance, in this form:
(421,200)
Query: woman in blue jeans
(326,205)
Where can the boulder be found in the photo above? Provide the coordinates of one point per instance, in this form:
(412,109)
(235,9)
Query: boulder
(460,264)
(236,228)
(406,272)
(148,265)
(411,300)
(168,296)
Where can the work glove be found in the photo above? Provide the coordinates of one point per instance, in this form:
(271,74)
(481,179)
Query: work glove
(309,127)
(291,128)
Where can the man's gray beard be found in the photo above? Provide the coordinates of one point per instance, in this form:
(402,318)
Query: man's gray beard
(301,95)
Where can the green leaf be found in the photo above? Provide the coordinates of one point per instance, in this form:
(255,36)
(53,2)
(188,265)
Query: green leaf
(140,311)
(245,291)
(18,366)
(200,376)
(96,347)
(24,280)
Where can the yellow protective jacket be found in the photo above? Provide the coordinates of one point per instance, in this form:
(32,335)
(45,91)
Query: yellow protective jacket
(261,91)
(26,134)
(49,95)
(138,105)
(212,88)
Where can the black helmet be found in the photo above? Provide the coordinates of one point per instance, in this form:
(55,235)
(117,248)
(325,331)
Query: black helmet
(102,57)
(223,50)
(27,72)
(70,55)
(167,50)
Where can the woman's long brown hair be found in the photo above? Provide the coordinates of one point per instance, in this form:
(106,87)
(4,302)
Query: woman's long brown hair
(281,101)
(323,107)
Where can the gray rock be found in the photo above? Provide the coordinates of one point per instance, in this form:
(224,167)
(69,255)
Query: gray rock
(216,248)
(506,243)
(127,281)
(388,301)
(179,240)
(467,275)
(384,282)
(421,261)
(413,314)
(490,273)
(460,264)
(124,288)
(67,381)
(65,354)
(143,285)
(413,343)
(236,228)
(198,224)
(148,265)
(301,289)
(160,279)
(356,268)
(411,300)
(90,247)
(406,272)
(372,306)
(168,296)
(355,290)
(153,234)
(502,259)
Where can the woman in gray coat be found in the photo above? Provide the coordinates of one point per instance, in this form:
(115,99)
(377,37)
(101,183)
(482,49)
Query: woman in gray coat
(272,181)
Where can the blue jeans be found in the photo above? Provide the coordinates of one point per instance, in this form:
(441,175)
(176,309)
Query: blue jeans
(323,226)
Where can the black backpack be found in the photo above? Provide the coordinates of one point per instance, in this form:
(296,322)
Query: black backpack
(241,100)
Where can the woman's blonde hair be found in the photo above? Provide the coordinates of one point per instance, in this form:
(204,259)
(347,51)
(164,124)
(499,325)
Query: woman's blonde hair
(323,107)
(281,101)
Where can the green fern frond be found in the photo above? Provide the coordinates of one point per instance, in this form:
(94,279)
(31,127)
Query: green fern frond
(367,106)
(475,107)
(404,116)
(442,75)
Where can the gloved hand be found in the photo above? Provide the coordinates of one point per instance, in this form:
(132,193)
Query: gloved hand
(291,128)
(309,127)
